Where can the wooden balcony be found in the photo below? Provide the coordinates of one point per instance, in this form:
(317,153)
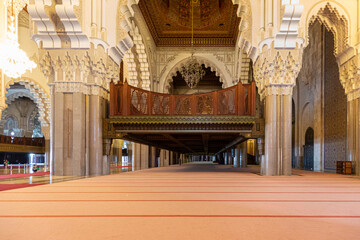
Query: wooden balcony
(238,100)
(22,144)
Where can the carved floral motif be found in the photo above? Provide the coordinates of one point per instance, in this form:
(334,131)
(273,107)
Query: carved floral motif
(275,71)
(74,72)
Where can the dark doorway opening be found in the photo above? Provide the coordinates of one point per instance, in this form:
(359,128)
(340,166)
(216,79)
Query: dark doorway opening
(309,150)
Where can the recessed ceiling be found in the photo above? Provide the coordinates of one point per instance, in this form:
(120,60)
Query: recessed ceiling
(170,22)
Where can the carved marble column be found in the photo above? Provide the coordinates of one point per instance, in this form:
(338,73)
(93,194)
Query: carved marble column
(350,79)
(275,75)
(79,82)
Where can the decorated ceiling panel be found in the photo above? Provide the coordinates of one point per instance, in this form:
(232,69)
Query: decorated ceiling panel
(170,22)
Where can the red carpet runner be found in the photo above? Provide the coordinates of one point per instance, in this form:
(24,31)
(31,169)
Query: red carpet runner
(23,175)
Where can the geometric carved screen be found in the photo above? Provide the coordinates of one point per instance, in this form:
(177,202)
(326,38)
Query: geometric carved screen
(335,113)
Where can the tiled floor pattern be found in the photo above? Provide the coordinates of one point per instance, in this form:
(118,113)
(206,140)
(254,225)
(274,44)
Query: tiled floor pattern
(186,202)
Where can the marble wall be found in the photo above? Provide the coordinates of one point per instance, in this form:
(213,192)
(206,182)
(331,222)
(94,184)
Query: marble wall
(335,101)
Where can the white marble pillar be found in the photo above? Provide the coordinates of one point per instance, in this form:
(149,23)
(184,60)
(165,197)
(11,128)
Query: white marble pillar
(353,134)
(144,156)
(275,73)
(136,156)
(95,139)
(78,107)
(69,132)
(278,135)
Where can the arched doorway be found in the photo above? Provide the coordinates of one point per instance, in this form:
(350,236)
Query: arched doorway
(210,82)
(308,161)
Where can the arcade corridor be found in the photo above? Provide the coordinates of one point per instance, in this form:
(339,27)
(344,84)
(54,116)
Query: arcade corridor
(192,201)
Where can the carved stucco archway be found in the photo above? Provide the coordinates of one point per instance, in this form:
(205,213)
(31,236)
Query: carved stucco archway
(137,58)
(41,98)
(167,76)
(335,19)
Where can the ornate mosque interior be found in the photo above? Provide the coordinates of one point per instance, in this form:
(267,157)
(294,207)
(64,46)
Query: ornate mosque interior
(266,86)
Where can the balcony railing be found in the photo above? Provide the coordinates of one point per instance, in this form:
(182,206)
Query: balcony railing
(238,100)
(35,142)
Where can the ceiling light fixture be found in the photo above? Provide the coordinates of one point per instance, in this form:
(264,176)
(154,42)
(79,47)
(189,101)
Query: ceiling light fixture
(13,61)
(192,72)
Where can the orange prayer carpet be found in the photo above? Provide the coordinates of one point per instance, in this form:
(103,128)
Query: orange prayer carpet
(193,201)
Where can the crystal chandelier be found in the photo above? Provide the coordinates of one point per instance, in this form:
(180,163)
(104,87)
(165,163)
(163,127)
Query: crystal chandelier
(192,72)
(13,61)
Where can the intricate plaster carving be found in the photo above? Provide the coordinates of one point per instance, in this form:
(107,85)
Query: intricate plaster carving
(16,95)
(23,19)
(288,33)
(275,71)
(79,72)
(350,78)
(138,64)
(336,23)
(57,26)
(40,97)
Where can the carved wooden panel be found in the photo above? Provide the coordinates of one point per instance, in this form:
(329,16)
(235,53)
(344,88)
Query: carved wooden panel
(226,102)
(182,105)
(161,105)
(139,102)
(204,105)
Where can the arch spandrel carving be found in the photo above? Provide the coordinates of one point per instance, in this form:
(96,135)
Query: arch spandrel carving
(207,63)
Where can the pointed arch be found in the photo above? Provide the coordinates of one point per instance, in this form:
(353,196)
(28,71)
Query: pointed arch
(41,98)
(336,19)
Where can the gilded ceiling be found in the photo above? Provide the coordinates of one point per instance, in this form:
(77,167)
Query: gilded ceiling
(170,21)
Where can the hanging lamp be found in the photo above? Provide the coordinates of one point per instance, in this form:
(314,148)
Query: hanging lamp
(192,71)
(13,61)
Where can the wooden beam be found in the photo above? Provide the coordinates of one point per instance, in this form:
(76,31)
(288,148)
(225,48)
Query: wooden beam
(238,140)
(178,142)
(133,138)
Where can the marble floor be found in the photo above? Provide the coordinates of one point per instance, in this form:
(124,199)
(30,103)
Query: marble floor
(193,201)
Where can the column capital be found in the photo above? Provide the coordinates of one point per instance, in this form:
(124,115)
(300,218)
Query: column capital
(276,70)
(350,77)
(86,71)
